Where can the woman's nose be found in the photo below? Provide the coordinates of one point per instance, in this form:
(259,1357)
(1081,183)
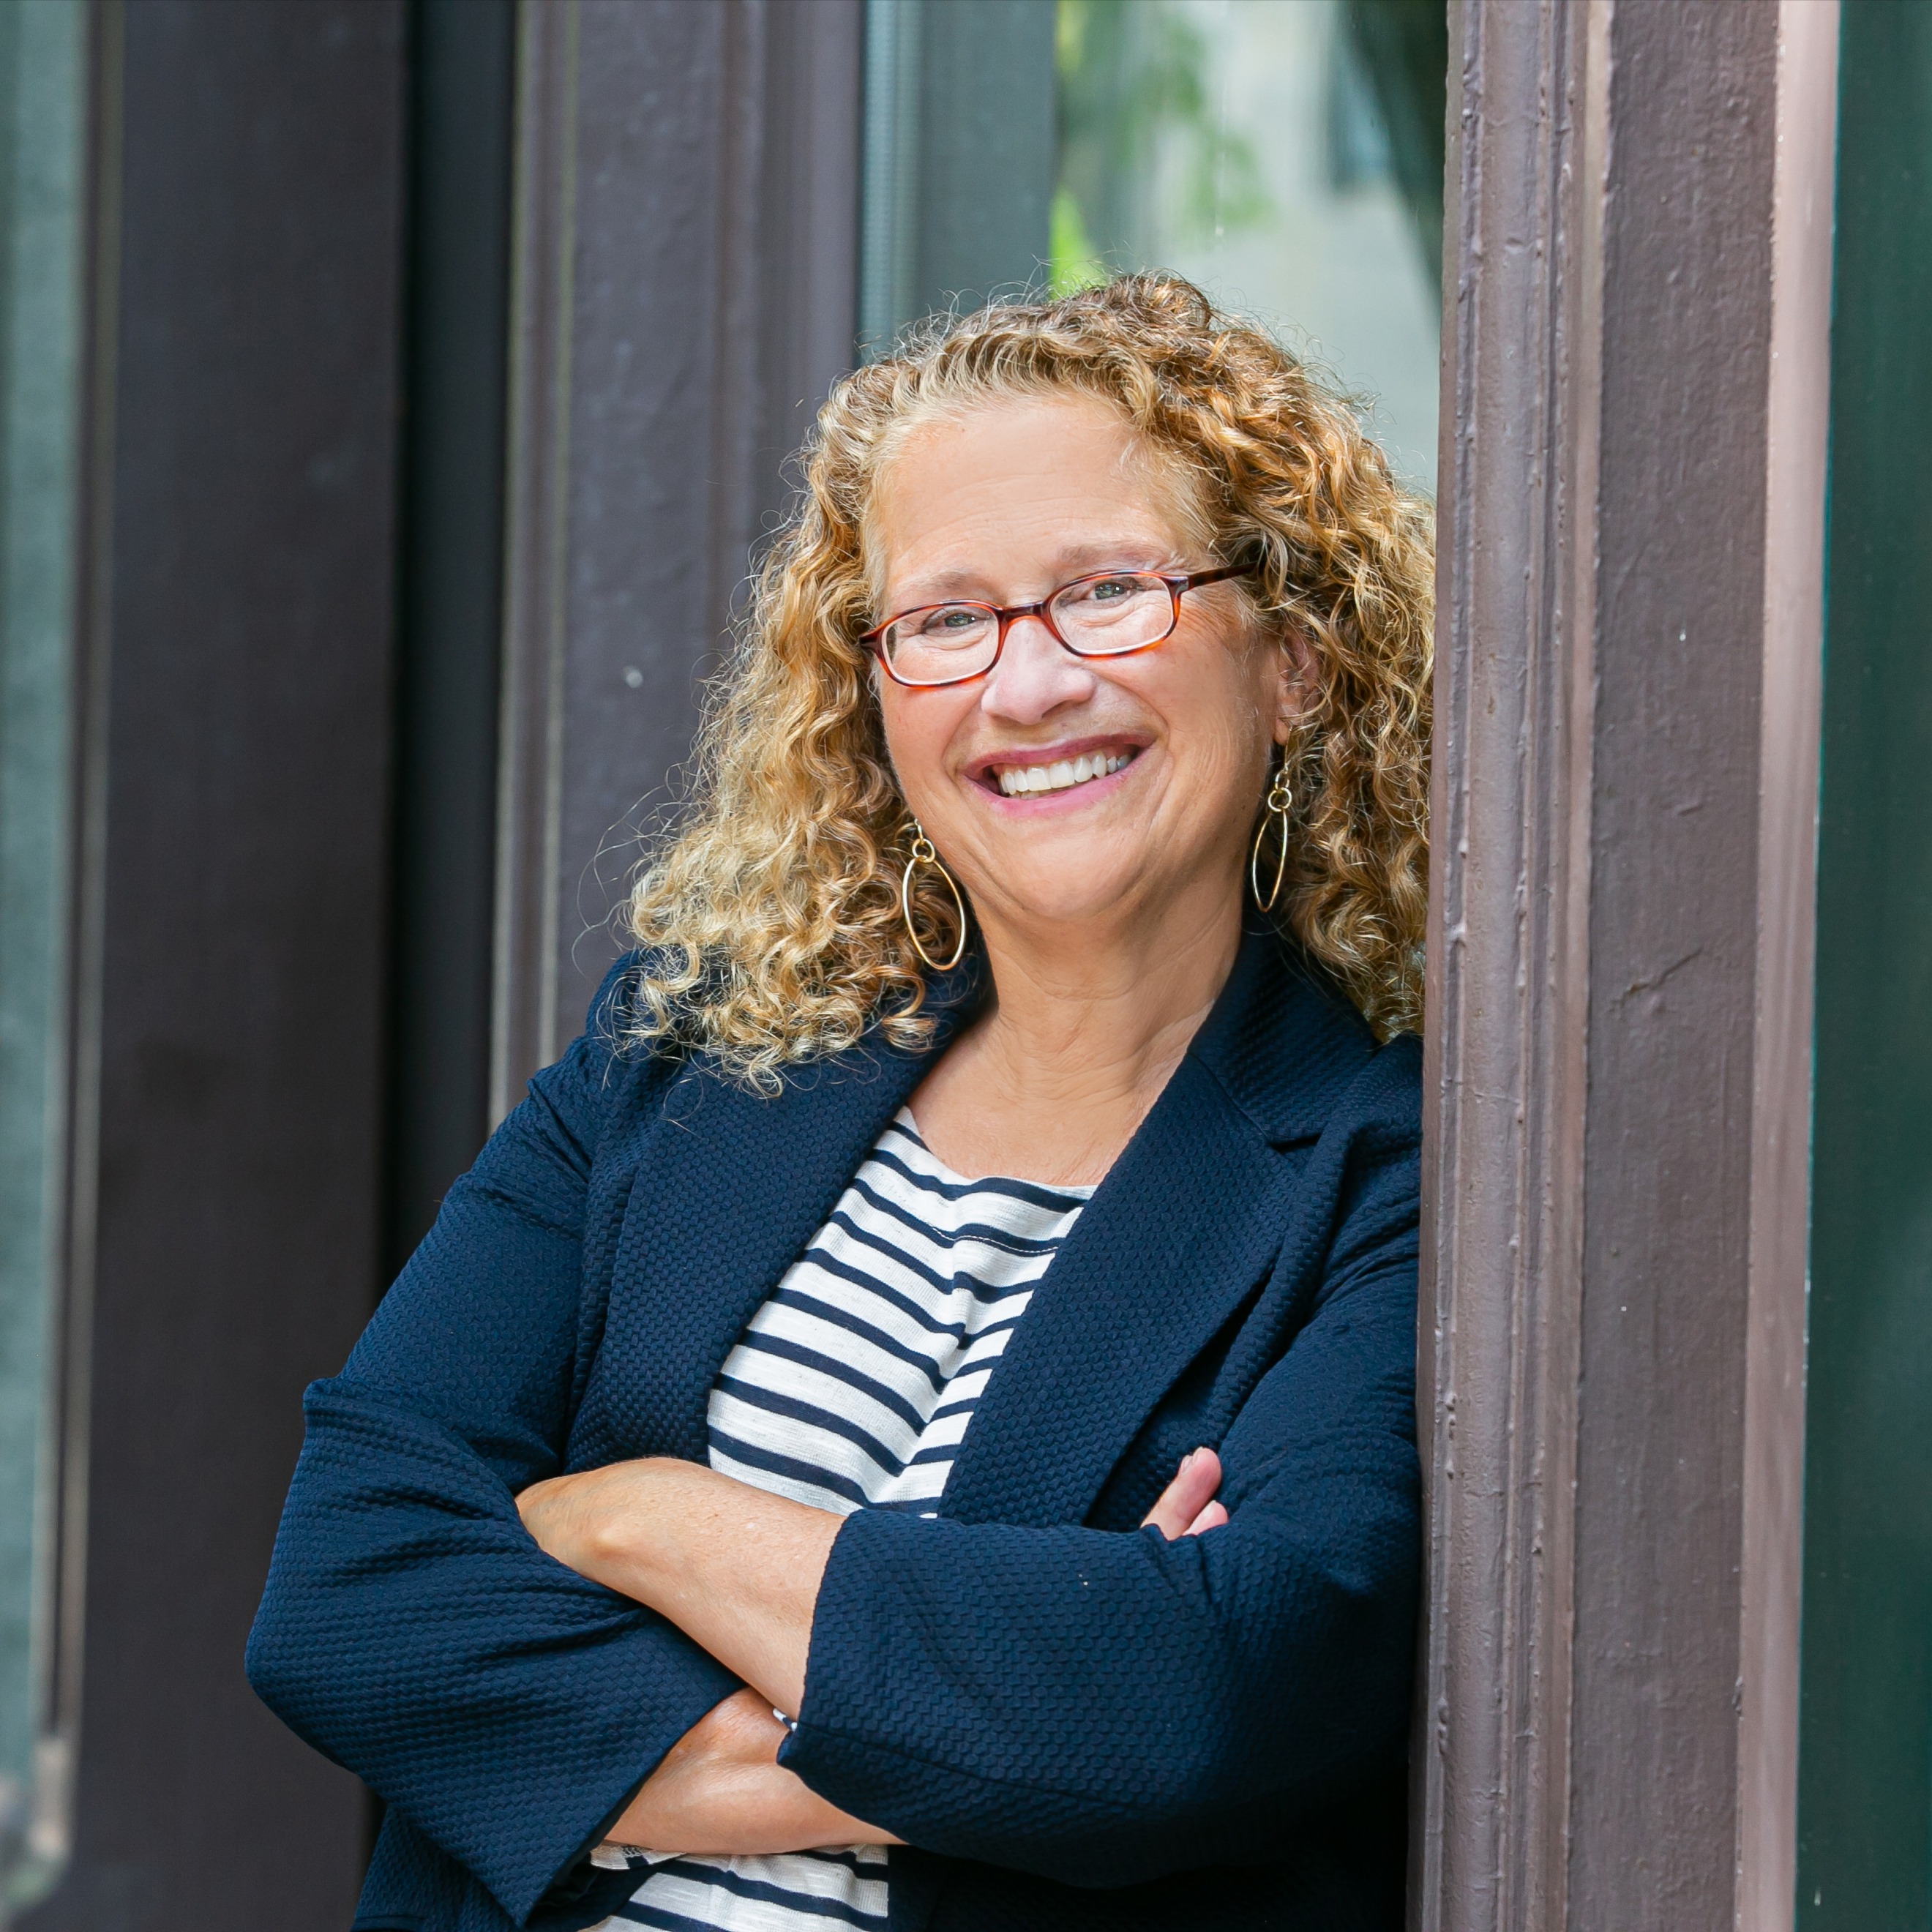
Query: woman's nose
(1035,676)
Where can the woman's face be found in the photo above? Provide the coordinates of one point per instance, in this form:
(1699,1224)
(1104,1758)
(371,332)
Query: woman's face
(1004,505)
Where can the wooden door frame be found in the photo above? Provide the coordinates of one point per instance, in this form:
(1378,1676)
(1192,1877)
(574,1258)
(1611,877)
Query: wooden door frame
(1635,343)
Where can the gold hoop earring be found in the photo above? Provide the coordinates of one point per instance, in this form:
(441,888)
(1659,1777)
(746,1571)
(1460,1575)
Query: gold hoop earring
(923,854)
(1280,798)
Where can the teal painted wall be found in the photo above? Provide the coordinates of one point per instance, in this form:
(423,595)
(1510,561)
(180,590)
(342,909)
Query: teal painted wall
(1865,1747)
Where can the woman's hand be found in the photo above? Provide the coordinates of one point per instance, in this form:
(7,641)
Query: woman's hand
(721,1790)
(1187,1505)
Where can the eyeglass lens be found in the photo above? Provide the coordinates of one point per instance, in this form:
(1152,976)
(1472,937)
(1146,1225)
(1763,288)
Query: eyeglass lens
(1099,616)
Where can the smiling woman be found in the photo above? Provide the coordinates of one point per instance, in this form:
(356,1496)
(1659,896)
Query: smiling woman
(911,1424)
(1131,415)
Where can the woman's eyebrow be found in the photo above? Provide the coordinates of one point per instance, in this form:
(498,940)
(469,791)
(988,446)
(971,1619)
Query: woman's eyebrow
(1141,554)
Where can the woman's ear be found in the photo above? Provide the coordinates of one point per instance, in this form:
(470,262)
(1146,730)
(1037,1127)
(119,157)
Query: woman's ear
(1295,680)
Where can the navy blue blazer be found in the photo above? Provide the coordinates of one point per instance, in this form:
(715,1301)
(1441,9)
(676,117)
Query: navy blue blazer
(1073,1722)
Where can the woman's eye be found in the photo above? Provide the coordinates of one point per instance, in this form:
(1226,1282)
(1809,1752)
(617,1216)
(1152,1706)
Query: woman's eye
(1107,590)
(943,622)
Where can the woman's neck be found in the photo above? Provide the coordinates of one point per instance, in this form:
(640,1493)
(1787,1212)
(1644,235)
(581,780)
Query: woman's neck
(1084,1032)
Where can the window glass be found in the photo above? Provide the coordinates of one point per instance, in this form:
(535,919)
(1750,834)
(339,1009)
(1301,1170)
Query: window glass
(42,71)
(1285,154)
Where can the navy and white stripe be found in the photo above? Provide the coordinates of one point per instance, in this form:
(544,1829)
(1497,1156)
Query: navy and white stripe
(851,1388)
(822,1890)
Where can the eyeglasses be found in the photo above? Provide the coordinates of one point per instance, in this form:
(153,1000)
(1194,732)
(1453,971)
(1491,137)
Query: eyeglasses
(1105,616)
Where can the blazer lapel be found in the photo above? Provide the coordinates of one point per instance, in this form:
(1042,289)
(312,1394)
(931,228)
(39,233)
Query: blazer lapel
(1163,1254)
(1184,1227)
(730,1186)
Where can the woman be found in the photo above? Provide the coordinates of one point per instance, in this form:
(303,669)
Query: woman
(909,1424)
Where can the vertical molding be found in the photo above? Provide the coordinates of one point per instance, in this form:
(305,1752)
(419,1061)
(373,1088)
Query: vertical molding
(812,206)
(536,535)
(1508,965)
(1678,517)
(686,286)
(51,1828)
(1797,412)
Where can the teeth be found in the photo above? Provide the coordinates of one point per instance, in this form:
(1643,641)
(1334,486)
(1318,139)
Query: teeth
(1016,781)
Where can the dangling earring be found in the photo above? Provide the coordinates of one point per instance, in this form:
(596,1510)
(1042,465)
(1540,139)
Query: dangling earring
(1279,798)
(923,854)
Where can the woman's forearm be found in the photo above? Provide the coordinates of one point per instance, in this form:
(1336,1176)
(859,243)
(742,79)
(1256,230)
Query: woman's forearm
(737,1570)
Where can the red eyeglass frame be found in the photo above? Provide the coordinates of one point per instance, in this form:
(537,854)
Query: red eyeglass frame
(1178,583)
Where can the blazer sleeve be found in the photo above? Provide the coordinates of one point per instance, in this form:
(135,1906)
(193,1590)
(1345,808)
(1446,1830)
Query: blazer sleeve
(1100,1707)
(411,1629)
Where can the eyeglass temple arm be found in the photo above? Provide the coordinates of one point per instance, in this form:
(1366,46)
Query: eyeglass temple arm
(1194,580)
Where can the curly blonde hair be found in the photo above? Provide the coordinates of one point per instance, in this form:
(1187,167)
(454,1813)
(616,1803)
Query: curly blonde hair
(771,919)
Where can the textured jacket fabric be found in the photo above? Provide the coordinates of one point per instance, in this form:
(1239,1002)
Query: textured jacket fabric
(1073,1722)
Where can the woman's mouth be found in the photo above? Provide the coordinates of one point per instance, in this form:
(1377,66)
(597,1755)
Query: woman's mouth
(1063,775)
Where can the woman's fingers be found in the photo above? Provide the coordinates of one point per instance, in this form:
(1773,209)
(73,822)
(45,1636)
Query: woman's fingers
(564,1513)
(1212,1517)
(742,1730)
(1188,1498)
(720,1792)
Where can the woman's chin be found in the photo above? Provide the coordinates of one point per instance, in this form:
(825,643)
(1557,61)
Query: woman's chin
(1044,906)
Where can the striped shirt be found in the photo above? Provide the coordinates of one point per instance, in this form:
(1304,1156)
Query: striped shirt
(852,1388)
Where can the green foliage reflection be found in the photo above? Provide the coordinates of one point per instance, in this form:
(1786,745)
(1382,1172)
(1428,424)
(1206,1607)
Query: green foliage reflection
(1135,119)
